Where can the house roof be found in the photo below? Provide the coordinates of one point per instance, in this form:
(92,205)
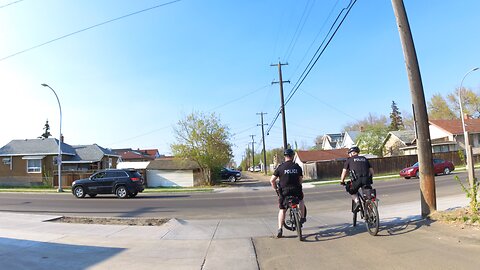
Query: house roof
(30,147)
(406,136)
(91,153)
(322,155)
(151,152)
(172,164)
(132,154)
(455,126)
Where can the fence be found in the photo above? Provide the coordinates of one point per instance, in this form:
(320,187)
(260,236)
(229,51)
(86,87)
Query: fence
(69,176)
(386,165)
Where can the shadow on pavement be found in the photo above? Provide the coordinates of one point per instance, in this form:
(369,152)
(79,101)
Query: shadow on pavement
(390,227)
(26,254)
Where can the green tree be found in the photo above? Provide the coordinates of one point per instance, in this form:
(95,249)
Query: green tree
(396,120)
(370,141)
(46,132)
(438,108)
(371,120)
(205,140)
(470,102)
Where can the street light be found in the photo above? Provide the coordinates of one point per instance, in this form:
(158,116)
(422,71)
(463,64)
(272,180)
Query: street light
(59,158)
(468,149)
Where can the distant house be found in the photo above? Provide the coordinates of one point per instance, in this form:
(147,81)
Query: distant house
(447,136)
(396,141)
(350,138)
(128,154)
(32,161)
(171,172)
(332,141)
(307,159)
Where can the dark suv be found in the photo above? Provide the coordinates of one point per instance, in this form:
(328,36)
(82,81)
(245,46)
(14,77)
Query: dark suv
(122,182)
(230,175)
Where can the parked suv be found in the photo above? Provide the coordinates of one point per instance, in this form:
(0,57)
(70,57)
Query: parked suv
(230,175)
(121,182)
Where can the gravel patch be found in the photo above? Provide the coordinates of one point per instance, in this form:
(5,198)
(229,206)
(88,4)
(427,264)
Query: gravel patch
(114,221)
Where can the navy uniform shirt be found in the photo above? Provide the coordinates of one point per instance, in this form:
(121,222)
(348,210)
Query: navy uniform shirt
(359,164)
(289,174)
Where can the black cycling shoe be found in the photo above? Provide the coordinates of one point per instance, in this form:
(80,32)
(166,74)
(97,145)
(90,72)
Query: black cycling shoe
(279,233)
(303,220)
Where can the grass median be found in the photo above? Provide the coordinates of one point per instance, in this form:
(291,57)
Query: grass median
(43,189)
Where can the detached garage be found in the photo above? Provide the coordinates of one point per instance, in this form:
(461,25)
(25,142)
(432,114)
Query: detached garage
(170,172)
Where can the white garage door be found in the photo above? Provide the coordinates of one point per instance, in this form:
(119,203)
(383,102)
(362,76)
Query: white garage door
(170,178)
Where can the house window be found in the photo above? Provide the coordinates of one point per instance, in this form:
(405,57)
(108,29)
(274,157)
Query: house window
(6,161)
(34,165)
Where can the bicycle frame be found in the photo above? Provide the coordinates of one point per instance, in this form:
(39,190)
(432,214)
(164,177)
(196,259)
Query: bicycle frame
(293,215)
(368,204)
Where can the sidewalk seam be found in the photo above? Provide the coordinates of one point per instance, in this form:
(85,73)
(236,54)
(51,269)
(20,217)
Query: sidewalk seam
(255,252)
(209,245)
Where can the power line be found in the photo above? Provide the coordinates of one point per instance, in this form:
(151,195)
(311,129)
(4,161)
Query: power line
(88,28)
(315,57)
(16,2)
(299,29)
(239,98)
(301,80)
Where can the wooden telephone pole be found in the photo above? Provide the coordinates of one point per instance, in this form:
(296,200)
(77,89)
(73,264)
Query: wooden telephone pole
(424,147)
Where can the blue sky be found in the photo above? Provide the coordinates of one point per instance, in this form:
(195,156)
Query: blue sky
(126,83)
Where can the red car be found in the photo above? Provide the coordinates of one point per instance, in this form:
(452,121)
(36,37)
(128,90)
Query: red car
(439,166)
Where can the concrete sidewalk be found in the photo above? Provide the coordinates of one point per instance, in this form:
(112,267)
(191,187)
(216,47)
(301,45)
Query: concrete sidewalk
(29,242)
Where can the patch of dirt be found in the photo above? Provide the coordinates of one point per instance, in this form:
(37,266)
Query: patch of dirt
(114,221)
(462,217)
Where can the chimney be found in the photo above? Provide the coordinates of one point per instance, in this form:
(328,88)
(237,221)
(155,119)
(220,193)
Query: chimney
(466,116)
(61,138)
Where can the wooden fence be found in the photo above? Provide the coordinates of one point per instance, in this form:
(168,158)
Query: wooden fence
(69,176)
(386,165)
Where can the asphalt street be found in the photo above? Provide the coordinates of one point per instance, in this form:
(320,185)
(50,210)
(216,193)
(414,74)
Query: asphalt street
(249,199)
(234,228)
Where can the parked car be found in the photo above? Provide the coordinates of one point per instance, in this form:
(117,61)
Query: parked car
(121,182)
(230,174)
(439,166)
(255,169)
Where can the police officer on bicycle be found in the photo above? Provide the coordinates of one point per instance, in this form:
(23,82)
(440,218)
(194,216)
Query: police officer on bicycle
(360,171)
(290,178)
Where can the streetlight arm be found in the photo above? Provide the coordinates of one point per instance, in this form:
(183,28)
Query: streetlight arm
(59,159)
(460,97)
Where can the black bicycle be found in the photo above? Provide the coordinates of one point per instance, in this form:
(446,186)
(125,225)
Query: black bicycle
(368,209)
(293,215)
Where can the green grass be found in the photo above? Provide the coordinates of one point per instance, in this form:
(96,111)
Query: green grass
(43,189)
(178,189)
(37,189)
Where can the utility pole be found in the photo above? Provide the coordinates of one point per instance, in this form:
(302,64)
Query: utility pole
(282,102)
(263,138)
(253,152)
(247,160)
(424,147)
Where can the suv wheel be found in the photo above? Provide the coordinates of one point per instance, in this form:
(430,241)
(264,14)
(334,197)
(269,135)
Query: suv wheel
(121,192)
(232,178)
(79,192)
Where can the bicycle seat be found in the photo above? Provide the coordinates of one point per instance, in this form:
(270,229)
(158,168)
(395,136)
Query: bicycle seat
(292,199)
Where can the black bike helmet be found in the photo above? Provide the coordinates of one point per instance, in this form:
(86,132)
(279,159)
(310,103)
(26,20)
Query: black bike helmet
(288,152)
(354,149)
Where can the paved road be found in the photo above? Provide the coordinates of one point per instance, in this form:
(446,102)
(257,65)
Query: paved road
(404,241)
(250,199)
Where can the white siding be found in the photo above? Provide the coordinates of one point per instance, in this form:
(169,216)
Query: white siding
(436,133)
(170,178)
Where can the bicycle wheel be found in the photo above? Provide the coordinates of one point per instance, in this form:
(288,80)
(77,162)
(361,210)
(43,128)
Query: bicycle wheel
(289,222)
(372,220)
(354,214)
(298,225)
